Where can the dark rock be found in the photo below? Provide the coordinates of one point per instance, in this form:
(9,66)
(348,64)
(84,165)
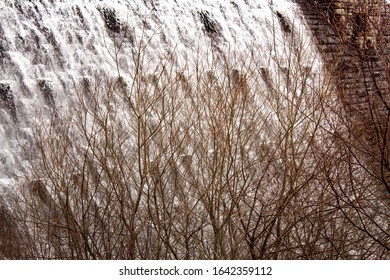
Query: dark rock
(211,27)
(7,100)
(110,18)
(286,27)
(46,87)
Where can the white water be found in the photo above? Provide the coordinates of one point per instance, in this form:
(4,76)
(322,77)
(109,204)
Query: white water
(63,42)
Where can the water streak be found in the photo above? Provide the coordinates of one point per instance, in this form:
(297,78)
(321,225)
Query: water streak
(48,47)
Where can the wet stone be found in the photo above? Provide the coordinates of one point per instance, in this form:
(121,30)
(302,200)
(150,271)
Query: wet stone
(211,27)
(110,18)
(46,86)
(7,99)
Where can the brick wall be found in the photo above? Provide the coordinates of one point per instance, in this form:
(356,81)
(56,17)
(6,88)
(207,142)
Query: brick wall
(354,39)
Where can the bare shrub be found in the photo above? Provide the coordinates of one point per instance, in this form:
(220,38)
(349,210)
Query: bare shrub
(212,159)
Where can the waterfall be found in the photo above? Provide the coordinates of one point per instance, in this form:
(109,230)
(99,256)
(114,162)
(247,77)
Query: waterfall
(209,129)
(47,48)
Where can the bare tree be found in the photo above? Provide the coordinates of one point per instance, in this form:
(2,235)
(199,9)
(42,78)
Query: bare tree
(237,156)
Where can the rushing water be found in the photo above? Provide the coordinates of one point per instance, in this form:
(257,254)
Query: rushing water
(48,47)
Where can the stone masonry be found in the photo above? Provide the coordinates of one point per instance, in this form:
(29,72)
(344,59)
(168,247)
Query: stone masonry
(354,39)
